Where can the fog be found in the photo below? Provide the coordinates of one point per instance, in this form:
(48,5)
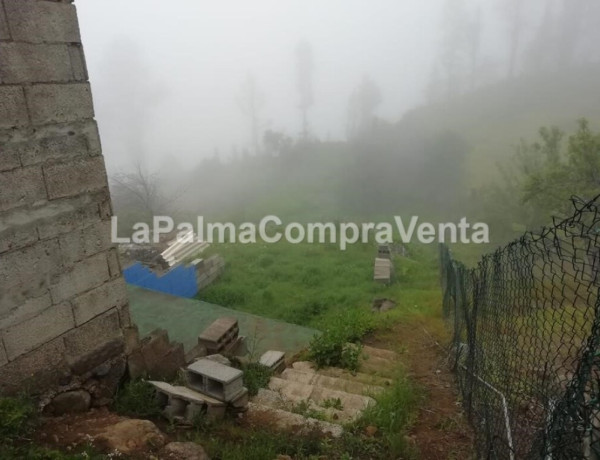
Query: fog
(365,106)
(178,65)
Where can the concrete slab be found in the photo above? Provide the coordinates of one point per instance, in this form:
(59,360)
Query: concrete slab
(185,393)
(215,370)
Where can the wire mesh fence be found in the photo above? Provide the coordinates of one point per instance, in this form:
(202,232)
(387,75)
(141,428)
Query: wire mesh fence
(526,340)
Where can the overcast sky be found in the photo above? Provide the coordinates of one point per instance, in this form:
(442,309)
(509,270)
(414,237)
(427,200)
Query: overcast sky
(166,73)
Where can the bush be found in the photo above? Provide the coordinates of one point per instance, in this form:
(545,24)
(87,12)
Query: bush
(334,346)
(17,418)
(256,376)
(137,398)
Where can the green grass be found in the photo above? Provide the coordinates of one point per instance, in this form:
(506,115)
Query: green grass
(310,284)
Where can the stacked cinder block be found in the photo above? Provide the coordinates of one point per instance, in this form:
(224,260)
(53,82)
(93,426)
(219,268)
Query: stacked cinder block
(63,303)
(208,270)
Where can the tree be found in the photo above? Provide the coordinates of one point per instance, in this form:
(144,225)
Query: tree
(361,107)
(138,190)
(304,77)
(514,13)
(250,100)
(276,142)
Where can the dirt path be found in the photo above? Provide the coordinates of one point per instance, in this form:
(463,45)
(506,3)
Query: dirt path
(441,430)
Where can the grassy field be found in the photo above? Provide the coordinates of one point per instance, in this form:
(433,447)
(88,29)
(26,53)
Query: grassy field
(309,284)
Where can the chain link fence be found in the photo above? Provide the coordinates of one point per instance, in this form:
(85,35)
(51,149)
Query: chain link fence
(526,340)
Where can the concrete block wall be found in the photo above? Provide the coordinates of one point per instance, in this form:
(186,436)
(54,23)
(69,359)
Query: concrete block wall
(62,295)
(209,270)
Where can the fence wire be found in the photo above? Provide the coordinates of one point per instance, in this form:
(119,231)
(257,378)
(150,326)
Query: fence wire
(526,340)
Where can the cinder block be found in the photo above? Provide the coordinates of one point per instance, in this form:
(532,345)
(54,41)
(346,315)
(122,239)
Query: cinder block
(3,357)
(85,275)
(4,32)
(32,333)
(85,242)
(9,159)
(95,302)
(28,63)
(112,257)
(52,103)
(36,22)
(59,147)
(16,236)
(28,310)
(67,215)
(93,334)
(39,369)
(21,187)
(124,315)
(78,67)
(13,110)
(76,177)
(26,273)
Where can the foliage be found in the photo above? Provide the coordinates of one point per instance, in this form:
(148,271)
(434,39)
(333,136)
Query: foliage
(137,398)
(334,403)
(395,407)
(17,417)
(256,376)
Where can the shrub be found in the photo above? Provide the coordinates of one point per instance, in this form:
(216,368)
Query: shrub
(256,376)
(17,417)
(137,398)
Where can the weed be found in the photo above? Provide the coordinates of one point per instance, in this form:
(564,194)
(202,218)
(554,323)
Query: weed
(17,417)
(137,398)
(335,403)
(256,376)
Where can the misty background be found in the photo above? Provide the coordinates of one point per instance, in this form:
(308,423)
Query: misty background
(340,109)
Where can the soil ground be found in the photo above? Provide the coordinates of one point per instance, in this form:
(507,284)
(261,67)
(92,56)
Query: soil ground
(441,430)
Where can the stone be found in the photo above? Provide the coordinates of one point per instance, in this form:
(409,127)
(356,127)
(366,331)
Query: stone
(382,305)
(129,436)
(219,359)
(75,401)
(183,451)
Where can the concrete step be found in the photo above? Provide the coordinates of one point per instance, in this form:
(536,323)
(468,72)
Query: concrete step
(380,362)
(333,383)
(297,423)
(352,404)
(360,377)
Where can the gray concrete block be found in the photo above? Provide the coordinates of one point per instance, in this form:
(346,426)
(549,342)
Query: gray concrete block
(31,308)
(52,103)
(4,32)
(3,357)
(14,237)
(65,216)
(112,257)
(9,159)
(93,334)
(36,22)
(21,187)
(76,177)
(26,273)
(39,369)
(85,242)
(58,147)
(125,315)
(38,330)
(84,275)
(28,63)
(78,67)
(97,301)
(13,110)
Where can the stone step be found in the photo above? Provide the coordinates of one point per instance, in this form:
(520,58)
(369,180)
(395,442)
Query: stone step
(380,362)
(333,383)
(352,404)
(360,377)
(275,400)
(297,423)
